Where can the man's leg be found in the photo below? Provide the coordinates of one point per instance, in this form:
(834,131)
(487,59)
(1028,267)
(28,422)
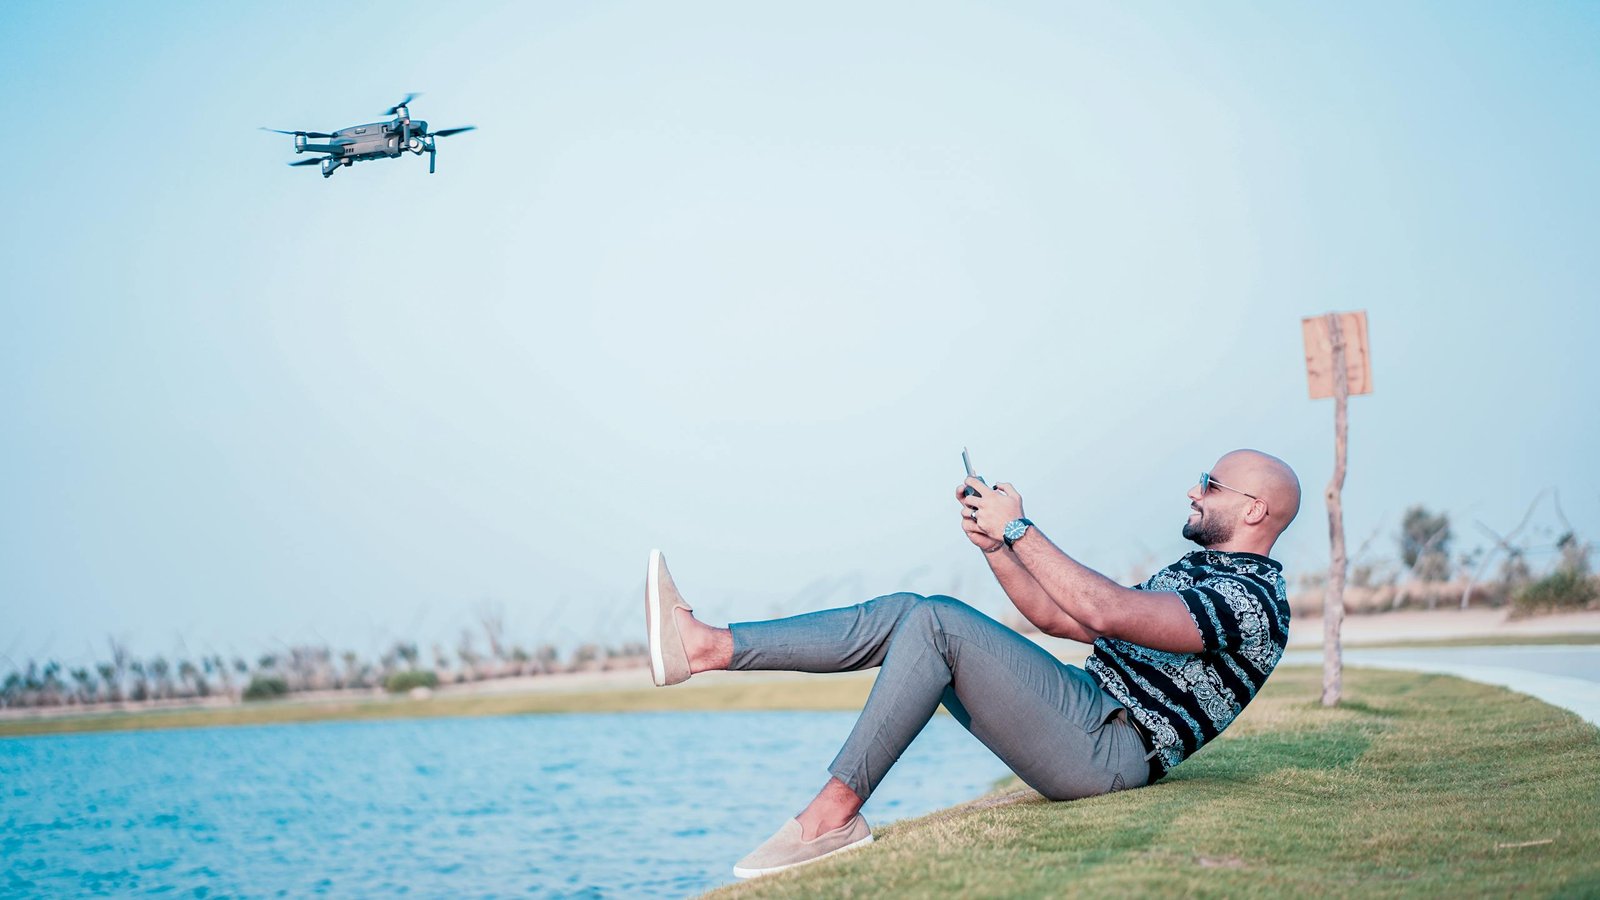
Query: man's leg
(1045,720)
(830,640)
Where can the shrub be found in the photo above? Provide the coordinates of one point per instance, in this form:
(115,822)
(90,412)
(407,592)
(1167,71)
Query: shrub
(266,687)
(400,682)
(1561,591)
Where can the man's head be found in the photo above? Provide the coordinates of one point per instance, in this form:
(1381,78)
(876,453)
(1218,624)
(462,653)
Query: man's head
(1251,498)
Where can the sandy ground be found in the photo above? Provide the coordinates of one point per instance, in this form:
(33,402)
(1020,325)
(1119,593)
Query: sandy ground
(1430,625)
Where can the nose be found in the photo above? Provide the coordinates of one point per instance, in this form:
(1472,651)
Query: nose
(1194,493)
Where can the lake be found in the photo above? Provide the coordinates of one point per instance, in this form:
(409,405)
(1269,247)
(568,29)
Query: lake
(590,805)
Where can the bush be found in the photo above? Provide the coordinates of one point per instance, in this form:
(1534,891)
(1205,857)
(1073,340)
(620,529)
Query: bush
(1564,590)
(266,687)
(400,682)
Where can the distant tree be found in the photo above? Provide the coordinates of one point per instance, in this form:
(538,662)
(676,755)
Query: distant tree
(585,657)
(408,653)
(54,688)
(194,683)
(86,685)
(1514,572)
(547,658)
(119,663)
(141,682)
(1425,543)
(493,620)
(161,671)
(469,657)
(354,672)
(1574,555)
(108,679)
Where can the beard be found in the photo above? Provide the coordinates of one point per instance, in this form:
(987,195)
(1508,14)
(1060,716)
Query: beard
(1208,532)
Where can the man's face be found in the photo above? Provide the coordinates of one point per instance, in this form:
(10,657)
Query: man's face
(1213,514)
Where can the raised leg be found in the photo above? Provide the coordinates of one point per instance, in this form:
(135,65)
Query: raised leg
(1046,720)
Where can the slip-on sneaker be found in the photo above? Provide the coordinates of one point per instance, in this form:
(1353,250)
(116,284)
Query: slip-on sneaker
(785,850)
(669,662)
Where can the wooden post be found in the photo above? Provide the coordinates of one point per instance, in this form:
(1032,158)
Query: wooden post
(1333,601)
(1337,365)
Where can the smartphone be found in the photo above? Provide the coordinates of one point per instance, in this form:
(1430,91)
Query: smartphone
(967,461)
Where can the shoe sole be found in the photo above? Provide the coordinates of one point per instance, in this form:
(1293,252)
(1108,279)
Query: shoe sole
(740,872)
(652,613)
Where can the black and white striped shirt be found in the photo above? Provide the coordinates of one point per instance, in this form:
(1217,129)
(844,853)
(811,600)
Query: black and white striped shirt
(1240,603)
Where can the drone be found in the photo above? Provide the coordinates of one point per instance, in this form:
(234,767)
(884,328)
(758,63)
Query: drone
(376,140)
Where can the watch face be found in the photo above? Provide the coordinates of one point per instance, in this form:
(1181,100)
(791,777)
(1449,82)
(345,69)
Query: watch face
(1016,528)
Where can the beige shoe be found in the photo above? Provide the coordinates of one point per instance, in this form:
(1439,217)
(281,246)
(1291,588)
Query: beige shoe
(785,850)
(669,661)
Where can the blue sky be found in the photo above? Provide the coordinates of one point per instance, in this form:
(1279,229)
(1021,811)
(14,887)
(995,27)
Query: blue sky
(739,281)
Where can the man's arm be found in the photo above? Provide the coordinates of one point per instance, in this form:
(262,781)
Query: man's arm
(1093,602)
(1155,619)
(1032,600)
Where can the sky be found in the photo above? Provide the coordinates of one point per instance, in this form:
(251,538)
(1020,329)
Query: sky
(739,281)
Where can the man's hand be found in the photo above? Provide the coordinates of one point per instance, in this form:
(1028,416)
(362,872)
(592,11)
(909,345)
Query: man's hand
(988,511)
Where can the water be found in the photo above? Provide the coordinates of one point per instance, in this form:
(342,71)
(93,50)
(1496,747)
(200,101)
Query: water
(636,804)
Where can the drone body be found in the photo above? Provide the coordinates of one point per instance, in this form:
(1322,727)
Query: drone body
(375,140)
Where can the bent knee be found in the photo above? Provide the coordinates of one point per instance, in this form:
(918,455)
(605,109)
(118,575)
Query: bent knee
(944,602)
(938,613)
(899,602)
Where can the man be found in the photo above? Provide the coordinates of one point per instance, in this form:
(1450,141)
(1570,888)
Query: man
(1175,659)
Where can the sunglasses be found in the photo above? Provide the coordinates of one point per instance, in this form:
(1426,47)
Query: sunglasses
(1207,482)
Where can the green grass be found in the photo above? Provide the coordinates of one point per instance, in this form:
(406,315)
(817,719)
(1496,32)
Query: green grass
(1418,785)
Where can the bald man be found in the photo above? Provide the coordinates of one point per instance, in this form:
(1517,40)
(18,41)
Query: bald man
(1175,659)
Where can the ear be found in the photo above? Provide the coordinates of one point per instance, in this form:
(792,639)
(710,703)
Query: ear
(1256,512)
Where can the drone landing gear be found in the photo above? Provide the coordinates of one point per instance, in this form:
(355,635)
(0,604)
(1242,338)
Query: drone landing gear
(331,165)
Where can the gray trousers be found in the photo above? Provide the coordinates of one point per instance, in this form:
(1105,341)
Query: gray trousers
(1050,722)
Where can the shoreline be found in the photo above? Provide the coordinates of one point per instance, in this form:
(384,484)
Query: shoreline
(555,692)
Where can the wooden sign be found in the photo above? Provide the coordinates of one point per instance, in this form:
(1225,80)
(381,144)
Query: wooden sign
(1319,353)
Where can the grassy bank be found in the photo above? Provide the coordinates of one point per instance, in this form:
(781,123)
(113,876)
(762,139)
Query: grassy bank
(1419,785)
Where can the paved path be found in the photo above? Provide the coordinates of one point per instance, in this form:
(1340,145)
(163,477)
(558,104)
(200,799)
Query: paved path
(1564,676)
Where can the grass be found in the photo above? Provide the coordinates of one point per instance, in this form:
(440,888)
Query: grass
(1417,785)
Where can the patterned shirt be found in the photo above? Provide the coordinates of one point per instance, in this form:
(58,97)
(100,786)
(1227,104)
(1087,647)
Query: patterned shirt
(1241,605)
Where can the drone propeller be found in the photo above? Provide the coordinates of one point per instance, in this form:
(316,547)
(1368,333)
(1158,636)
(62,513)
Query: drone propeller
(395,109)
(446,132)
(313,134)
(314,161)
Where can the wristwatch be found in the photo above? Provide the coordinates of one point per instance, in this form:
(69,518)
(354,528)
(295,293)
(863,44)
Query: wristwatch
(1015,529)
